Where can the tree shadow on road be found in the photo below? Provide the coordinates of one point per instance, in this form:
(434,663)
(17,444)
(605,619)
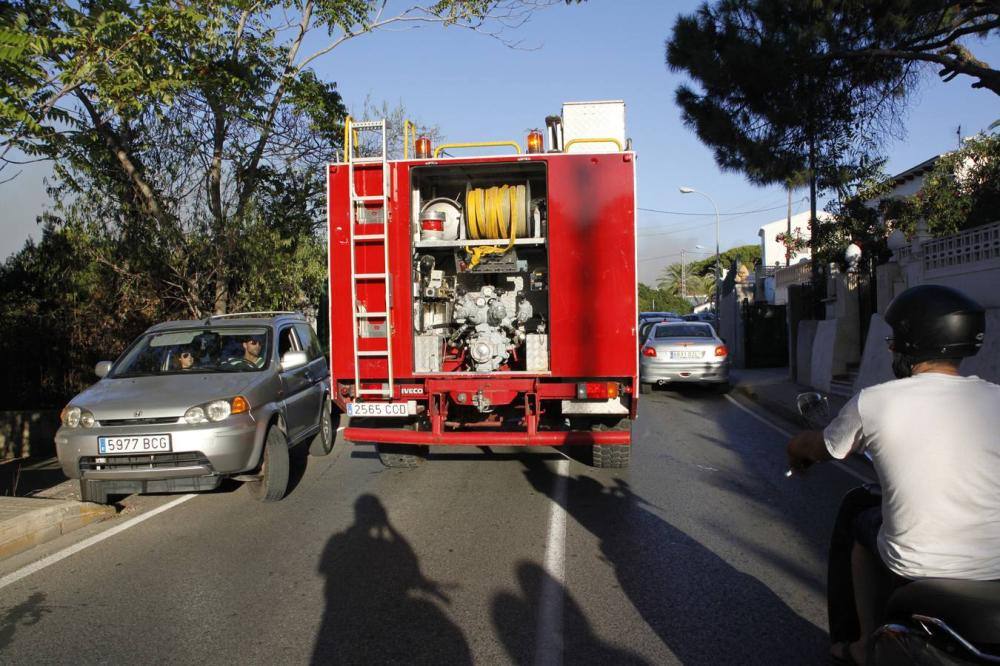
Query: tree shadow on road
(516,617)
(702,608)
(379,606)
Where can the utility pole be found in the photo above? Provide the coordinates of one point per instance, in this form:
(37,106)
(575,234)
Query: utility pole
(683,289)
(788,237)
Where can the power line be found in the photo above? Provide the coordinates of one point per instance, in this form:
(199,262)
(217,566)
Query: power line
(709,224)
(742,212)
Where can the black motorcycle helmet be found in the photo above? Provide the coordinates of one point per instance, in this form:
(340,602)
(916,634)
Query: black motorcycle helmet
(931,322)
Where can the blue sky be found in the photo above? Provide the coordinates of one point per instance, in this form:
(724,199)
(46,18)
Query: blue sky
(475,88)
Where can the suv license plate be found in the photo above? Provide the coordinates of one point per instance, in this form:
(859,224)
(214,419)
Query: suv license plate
(135,444)
(382,408)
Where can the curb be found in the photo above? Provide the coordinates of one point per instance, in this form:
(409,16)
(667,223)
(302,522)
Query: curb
(28,522)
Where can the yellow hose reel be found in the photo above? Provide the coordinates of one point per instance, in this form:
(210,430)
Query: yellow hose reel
(495,213)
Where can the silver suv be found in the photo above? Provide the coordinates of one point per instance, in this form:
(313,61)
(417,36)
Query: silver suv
(192,402)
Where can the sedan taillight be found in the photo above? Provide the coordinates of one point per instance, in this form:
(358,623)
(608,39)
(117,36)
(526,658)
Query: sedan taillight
(648,351)
(721,350)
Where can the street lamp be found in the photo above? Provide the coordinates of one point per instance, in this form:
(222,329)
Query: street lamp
(718,272)
(683,250)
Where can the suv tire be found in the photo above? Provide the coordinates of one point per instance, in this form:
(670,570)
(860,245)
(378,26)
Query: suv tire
(323,442)
(273,479)
(93,491)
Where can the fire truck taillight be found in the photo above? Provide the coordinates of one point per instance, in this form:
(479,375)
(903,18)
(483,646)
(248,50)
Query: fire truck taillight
(422,148)
(648,351)
(534,141)
(597,390)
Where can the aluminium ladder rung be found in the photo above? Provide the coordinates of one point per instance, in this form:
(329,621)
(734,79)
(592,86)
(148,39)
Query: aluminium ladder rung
(366,124)
(373,352)
(367,315)
(370,276)
(373,392)
(378,159)
(368,198)
(365,237)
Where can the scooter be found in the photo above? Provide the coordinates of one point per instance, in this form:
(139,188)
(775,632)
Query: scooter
(933,621)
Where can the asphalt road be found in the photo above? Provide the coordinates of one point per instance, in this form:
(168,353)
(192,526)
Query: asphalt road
(701,553)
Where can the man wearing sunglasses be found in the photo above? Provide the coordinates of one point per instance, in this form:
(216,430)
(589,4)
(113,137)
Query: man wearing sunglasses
(252,358)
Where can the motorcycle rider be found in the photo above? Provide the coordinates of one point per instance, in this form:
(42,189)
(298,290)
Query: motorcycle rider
(933,438)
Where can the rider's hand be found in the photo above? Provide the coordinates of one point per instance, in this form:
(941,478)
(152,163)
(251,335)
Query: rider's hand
(804,449)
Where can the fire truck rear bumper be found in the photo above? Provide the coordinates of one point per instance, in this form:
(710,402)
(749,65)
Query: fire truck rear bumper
(547,438)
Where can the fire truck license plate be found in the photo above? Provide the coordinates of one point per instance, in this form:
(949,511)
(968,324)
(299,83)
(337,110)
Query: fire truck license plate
(381,408)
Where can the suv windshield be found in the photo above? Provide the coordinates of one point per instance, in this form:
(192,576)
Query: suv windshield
(197,350)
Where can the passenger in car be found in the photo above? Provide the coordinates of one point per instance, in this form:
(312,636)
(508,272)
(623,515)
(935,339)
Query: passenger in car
(185,358)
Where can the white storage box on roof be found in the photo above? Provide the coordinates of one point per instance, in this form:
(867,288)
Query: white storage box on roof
(593,120)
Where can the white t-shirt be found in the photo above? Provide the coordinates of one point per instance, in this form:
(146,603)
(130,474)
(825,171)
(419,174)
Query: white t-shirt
(935,442)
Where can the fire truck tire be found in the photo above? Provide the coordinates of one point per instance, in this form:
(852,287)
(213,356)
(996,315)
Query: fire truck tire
(611,456)
(401,456)
(324,440)
(645,388)
(272,482)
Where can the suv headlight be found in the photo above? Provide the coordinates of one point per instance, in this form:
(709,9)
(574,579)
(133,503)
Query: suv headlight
(217,410)
(74,417)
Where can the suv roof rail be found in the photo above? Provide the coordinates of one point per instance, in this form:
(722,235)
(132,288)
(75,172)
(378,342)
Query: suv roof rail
(263,313)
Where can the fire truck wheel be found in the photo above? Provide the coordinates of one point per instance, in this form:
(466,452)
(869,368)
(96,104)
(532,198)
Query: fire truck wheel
(645,388)
(324,440)
(272,481)
(611,456)
(401,455)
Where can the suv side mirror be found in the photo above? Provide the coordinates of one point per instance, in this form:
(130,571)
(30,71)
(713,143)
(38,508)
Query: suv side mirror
(102,369)
(293,359)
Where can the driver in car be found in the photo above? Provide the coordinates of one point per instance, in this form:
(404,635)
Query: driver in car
(252,358)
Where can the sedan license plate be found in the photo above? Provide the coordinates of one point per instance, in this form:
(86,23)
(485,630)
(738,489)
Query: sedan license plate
(134,444)
(381,408)
(686,354)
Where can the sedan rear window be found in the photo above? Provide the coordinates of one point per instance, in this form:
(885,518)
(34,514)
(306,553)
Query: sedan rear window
(682,331)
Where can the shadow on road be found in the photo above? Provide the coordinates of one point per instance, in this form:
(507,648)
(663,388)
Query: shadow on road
(702,608)
(516,617)
(27,613)
(379,606)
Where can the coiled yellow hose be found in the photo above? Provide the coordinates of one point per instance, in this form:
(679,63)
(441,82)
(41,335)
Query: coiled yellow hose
(494,213)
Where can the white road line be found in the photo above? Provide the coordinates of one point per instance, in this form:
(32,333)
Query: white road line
(846,468)
(12,578)
(549,646)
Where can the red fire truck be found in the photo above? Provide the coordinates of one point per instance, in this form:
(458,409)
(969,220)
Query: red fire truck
(487,301)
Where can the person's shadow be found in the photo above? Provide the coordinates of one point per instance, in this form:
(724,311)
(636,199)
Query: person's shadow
(702,608)
(379,606)
(516,618)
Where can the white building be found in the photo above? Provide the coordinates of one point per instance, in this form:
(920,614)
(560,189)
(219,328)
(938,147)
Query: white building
(772,252)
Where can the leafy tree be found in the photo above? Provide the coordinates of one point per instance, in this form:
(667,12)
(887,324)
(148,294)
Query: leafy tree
(176,120)
(961,191)
(748,255)
(658,300)
(680,281)
(767,105)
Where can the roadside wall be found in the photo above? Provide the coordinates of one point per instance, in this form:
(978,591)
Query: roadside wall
(876,366)
(29,433)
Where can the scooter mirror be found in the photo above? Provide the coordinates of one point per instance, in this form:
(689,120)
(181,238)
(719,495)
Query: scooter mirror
(814,408)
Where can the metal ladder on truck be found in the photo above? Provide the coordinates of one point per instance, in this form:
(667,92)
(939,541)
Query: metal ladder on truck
(358,203)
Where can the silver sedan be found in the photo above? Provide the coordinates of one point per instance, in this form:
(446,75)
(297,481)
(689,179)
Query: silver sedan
(683,352)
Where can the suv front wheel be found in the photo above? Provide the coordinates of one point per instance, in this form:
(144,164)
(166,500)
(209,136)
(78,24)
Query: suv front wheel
(272,481)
